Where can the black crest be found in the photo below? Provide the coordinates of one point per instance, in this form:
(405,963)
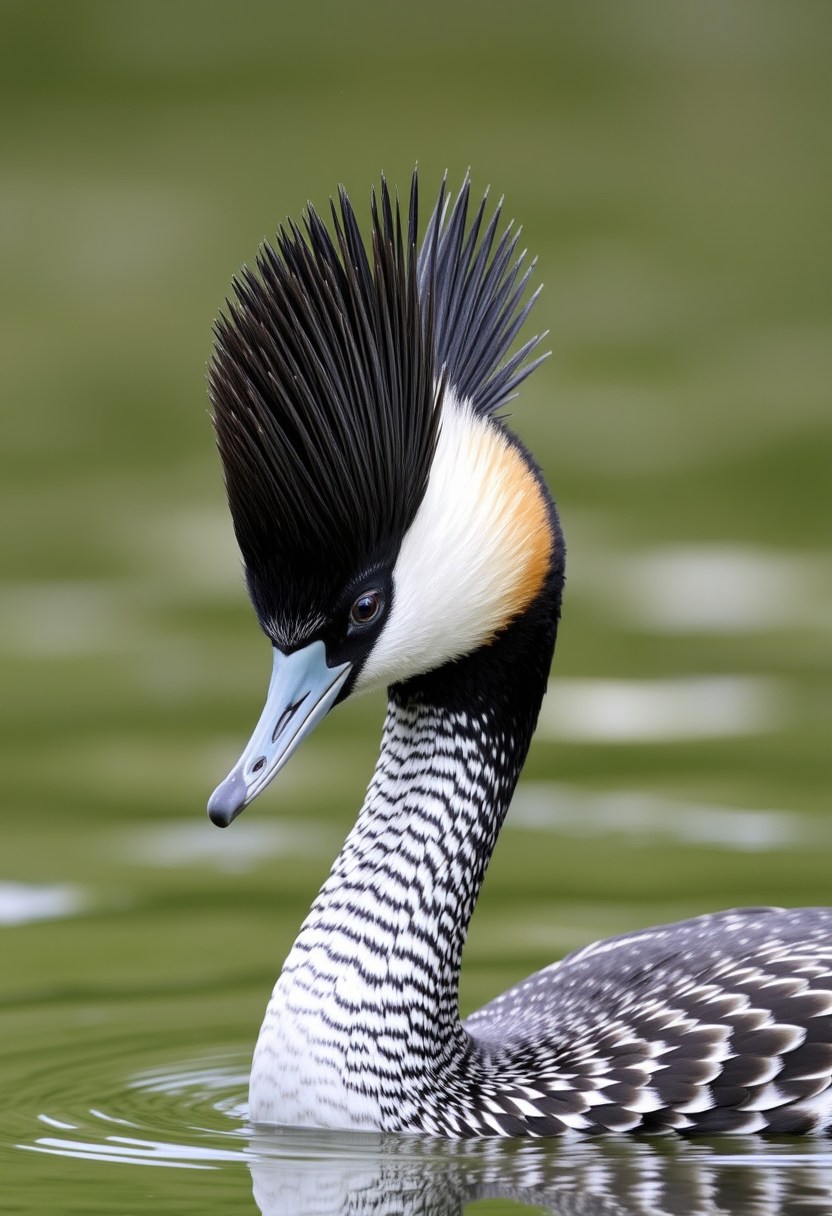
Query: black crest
(476,293)
(327,376)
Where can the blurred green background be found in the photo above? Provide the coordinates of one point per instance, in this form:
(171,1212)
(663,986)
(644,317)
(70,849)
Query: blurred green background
(670,165)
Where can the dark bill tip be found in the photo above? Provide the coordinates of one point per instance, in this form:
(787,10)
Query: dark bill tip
(227,800)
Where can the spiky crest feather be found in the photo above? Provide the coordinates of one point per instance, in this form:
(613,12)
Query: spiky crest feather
(327,376)
(477,300)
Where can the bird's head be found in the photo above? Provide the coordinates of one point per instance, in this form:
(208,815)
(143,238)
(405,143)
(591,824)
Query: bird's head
(388,523)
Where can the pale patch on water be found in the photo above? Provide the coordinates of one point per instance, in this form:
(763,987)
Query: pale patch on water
(129,1150)
(45,620)
(711,589)
(21,903)
(196,842)
(660,711)
(644,819)
(191,551)
(727,589)
(208,1079)
(66,619)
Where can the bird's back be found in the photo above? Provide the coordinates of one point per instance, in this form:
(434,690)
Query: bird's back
(716,1024)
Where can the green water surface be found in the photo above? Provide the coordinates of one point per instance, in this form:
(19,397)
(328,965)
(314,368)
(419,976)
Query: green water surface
(670,164)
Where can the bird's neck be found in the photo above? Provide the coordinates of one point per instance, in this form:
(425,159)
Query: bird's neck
(365,1014)
(413,865)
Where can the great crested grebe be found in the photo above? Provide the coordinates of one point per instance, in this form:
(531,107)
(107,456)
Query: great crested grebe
(396,534)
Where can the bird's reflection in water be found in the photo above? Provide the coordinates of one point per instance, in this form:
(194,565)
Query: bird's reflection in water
(298,1173)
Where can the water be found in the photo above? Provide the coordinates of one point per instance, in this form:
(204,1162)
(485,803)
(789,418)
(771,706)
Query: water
(125,1040)
(177,1132)
(670,166)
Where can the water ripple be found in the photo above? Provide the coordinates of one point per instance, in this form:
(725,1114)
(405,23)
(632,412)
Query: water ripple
(190,1115)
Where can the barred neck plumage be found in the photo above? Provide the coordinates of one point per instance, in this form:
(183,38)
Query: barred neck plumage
(366,1009)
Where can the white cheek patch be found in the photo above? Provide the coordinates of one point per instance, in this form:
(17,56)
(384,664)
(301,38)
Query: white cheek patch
(475,556)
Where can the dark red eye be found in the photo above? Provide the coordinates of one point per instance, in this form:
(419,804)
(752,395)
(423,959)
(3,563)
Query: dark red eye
(366,608)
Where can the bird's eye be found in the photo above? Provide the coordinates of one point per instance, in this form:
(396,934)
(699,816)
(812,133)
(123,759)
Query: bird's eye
(366,608)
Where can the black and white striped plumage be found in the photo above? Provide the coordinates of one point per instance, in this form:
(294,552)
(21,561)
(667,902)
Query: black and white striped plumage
(395,533)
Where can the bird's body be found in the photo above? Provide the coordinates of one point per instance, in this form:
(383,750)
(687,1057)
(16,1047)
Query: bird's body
(395,533)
